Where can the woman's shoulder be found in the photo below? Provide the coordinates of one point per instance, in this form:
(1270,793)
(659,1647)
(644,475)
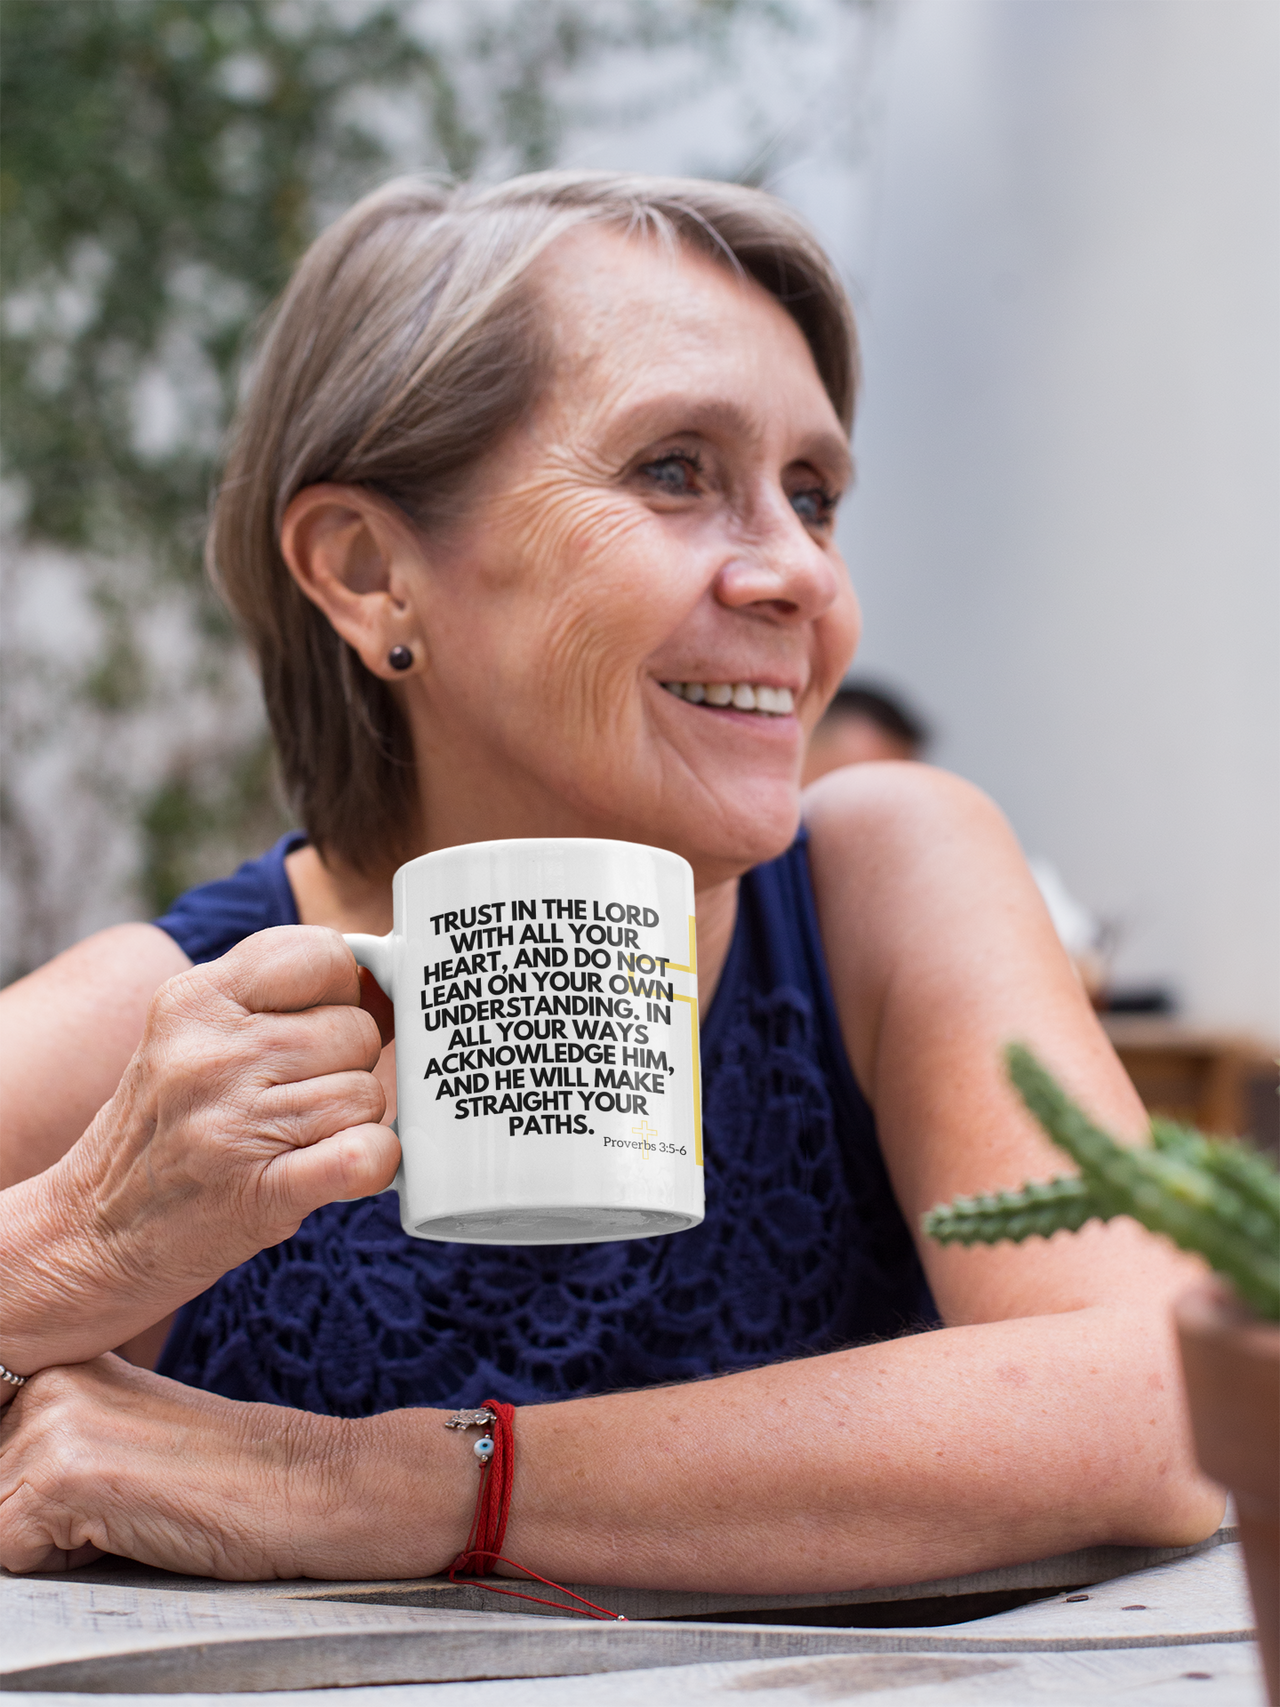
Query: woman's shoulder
(884,827)
(897,830)
(926,906)
(207,921)
(893,796)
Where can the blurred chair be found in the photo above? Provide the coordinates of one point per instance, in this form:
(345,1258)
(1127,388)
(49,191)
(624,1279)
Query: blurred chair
(1221,1082)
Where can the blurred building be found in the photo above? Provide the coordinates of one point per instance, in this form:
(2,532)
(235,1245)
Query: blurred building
(1066,526)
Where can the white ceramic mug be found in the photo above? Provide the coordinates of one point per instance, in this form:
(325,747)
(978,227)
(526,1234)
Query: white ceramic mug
(546,1000)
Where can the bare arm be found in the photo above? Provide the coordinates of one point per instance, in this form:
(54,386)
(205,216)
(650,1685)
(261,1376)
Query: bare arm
(1047,1416)
(66,1034)
(941,952)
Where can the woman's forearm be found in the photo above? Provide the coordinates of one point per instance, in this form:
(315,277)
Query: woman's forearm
(916,1459)
(67,1293)
(923,1457)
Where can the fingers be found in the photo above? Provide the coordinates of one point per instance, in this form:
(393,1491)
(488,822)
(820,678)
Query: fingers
(191,1062)
(284,1047)
(354,1163)
(245,1062)
(307,1111)
(36,1536)
(287,969)
(286,1000)
(42,1456)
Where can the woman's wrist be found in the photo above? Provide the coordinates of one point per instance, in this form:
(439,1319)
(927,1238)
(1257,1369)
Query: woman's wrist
(69,1291)
(92,1253)
(9,1384)
(390,1496)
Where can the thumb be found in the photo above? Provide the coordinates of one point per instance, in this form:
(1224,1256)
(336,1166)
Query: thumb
(353,1163)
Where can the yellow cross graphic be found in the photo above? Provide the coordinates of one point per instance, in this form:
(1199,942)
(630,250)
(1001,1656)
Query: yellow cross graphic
(645,1132)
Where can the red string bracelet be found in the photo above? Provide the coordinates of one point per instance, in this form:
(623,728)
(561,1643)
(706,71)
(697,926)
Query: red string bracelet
(497,1454)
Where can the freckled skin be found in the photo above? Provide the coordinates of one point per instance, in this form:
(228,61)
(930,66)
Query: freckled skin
(663,515)
(1012,1374)
(582,582)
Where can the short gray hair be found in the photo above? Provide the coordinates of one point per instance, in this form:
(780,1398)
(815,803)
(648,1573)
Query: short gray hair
(407,342)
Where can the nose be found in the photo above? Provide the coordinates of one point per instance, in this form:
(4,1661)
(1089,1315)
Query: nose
(778,568)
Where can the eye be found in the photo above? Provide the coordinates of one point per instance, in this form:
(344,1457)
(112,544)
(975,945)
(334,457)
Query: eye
(674,474)
(815,506)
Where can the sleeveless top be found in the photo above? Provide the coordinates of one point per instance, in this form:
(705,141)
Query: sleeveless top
(803,1248)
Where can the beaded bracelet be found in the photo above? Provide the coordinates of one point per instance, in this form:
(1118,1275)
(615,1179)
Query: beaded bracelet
(11,1378)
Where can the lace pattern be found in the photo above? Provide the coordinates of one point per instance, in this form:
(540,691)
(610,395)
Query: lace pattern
(349,1317)
(803,1250)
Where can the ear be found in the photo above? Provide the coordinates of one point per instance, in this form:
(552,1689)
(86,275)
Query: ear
(354,555)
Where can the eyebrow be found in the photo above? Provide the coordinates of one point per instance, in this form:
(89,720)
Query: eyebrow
(676,412)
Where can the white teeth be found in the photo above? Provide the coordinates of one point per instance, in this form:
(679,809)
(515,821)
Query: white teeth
(776,700)
(742,696)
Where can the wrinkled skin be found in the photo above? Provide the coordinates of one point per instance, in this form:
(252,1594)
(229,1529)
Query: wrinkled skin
(58,1466)
(665,514)
(106,1458)
(249,1102)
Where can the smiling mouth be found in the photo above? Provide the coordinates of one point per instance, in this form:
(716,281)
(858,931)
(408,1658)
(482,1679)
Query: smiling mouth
(738,696)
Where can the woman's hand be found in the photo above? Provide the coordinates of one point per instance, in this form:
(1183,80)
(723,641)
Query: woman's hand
(105,1458)
(250,1102)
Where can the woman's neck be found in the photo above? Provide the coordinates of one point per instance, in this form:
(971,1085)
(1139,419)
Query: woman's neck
(330,892)
(717,915)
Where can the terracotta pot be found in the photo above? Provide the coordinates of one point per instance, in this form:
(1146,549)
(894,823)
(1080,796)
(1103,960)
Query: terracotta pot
(1232,1365)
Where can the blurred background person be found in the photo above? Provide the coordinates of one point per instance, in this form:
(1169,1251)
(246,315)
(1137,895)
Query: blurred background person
(863,723)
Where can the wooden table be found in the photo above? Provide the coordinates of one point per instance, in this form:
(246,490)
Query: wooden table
(1149,1628)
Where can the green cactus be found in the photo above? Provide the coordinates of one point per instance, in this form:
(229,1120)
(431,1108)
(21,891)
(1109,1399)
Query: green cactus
(1215,1197)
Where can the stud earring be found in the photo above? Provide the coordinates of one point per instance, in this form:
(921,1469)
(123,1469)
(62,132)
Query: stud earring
(400,658)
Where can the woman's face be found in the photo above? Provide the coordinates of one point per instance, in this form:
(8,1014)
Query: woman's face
(666,515)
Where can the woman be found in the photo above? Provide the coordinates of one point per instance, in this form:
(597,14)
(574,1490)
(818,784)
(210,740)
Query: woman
(527,479)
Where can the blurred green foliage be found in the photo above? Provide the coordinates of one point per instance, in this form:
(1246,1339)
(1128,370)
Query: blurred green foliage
(163,164)
(159,159)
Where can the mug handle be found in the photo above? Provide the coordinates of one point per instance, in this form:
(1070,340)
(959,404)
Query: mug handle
(374,954)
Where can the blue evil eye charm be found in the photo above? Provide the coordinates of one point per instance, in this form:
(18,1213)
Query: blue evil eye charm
(483,1449)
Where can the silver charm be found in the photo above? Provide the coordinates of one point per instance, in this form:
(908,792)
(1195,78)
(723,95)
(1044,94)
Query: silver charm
(471,1419)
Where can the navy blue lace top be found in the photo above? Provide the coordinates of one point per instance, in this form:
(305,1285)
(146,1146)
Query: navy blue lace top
(803,1248)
